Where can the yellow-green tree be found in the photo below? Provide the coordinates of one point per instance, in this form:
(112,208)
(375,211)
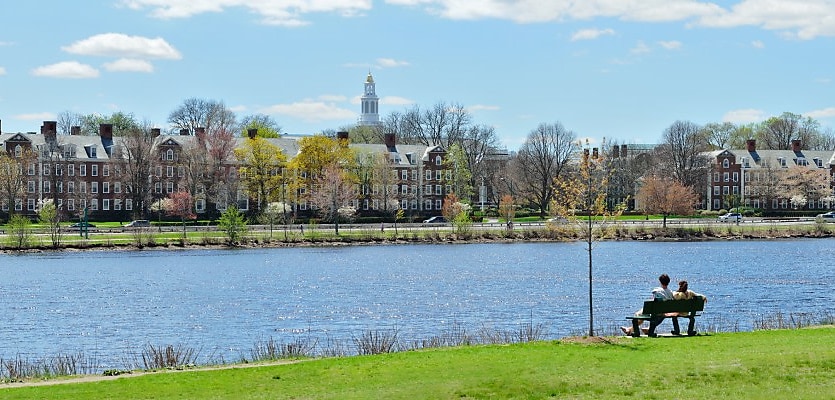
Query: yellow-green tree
(584,191)
(13,177)
(261,170)
(315,154)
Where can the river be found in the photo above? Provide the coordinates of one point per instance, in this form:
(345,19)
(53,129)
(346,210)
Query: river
(110,304)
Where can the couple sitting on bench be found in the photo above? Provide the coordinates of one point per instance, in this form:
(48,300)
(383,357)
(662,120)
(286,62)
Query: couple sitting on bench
(655,311)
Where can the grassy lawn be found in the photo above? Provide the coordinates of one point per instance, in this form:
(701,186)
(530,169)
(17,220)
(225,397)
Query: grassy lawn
(797,364)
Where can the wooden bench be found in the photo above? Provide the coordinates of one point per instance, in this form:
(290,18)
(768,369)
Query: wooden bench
(655,312)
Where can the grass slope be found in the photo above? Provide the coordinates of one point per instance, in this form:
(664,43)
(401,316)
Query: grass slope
(797,364)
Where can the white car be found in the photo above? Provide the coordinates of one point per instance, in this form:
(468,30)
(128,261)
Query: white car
(826,217)
(730,217)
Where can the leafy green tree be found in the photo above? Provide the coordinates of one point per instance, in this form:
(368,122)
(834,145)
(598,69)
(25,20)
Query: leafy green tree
(233,224)
(122,123)
(460,176)
(265,126)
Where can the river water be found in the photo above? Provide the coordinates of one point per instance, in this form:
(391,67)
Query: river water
(111,304)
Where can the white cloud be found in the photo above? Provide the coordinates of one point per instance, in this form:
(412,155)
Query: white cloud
(797,19)
(121,45)
(390,63)
(311,111)
(129,65)
(238,109)
(640,48)
(822,113)
(332,98)
(282,13)
(43,116)
(2,71)
(482,107)
(670,45)
(590,34)
(744,116)
(66,69)
(758,44)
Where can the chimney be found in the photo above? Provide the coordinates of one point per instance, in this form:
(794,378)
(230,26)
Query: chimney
(751,145)
(200,131)
(342,137)
(184,132)
(796,145)
(106,131)
(585,154)
(49,130)
(389,140)
(252,133)
(75,130)
(615,151)
(594,153)
(155,132)
(623,150)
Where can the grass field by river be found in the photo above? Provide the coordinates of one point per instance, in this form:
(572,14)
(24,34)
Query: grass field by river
(795,363)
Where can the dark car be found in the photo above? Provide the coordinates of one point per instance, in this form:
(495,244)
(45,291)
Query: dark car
(139,223)
(435,220)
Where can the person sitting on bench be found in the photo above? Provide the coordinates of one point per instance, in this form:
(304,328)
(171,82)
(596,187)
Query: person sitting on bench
(661,293)
(683,293)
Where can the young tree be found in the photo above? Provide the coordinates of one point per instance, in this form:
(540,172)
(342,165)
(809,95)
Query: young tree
(13,177)
(48,215)
(334,195)
(665,196)
(20,231)
(233,223)
(181,205)
(585,190)
(459,176)
(457,213)
(507,210)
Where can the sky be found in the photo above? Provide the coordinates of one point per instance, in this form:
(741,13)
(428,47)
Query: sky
(623,70)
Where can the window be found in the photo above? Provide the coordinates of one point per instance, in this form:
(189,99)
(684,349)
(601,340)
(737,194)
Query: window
(58,170)
(30,187)
(736,190)
(404,204)
(736,176)
(726,163)
(82,170)
(169,187)
(200,205)
(438,189)
(181,171)
(375,204)
(94,187)
(30,204)
(93,152)
(404,175)
(117,204)
(448,174)
(18,205)
(157,187)
(427,189)
(448,189)
(169,171)
(428,175)
(70,204)
(158,171)
(169,155)
(726,177)
(716,204)
(94,204)
(45,170)
(46,186)
(105,187)
(427,205)
(365,204)
(414,204)
(438,204)
(105,204)
(128,204)
(82,186)
(404,189)
(725,190)
(71,169)
(438,175)
(414,175)
(117,187)
(18,152)
(105,170)
(437,160)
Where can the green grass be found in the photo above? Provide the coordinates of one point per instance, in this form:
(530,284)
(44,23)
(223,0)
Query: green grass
(797,364)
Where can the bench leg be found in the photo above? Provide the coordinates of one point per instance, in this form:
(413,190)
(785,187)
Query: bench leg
(653,323)
(676,329)
(636,327)
(691,327)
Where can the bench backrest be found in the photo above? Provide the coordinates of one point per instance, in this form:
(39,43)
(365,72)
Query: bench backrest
(660,307)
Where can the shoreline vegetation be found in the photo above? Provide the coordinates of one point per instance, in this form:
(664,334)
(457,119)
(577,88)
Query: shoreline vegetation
(795,363)
(314,235)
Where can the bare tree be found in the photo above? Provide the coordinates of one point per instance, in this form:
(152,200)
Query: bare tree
(334,193)
(682,155)
(135,158)
(13,176)
(541,160)
(66,120)
(201,113)
(777,133)
(719,136)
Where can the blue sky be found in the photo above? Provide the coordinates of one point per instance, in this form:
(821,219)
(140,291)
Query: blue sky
(620,69)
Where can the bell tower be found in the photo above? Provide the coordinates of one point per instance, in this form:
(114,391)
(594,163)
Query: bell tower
(370,113)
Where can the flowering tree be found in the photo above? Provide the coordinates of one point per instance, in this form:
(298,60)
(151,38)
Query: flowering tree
(457,213)
(180,205)
(334,194)
(666,196)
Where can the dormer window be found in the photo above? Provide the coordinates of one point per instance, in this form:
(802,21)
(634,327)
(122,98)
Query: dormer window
(818,162)
(801,162)
(782,162)
(437,160)
(745,163)
(726,163)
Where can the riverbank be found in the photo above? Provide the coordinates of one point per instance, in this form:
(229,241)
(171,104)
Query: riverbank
(794,363)
(150,239)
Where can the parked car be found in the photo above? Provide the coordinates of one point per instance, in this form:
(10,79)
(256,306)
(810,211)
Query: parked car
(435,220)
(558,220)
(730,217)
(826,217)
(80,225)
(139,223)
